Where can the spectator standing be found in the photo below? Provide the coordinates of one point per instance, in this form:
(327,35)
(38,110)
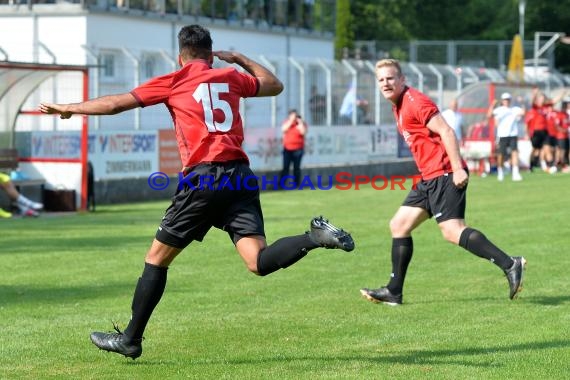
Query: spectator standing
(294,129)
(352,103)
(455,119)
(507,119)
(317,106)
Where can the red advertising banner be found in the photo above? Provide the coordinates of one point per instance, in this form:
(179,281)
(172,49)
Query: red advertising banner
(168,155)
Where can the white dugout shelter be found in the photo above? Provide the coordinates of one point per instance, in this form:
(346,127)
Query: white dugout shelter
(61,163)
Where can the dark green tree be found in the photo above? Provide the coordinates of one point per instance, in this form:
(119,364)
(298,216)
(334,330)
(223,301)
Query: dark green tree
(344,29)
(401,21)
(381,20)
(550,16)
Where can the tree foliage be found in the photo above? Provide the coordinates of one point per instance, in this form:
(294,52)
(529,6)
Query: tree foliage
(344,28)
(398,20)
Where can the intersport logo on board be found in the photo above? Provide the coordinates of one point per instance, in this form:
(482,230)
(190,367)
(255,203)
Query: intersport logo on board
(339,181)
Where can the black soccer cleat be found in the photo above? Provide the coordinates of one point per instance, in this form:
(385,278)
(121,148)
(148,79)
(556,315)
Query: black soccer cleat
(117,342)
(515,276)
(326,235)
(382,295)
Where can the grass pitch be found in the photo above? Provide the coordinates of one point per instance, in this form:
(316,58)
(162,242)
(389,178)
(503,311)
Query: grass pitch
(63,277)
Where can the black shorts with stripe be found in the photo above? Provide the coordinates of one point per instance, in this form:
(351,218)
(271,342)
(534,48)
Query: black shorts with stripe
(507,145)
(439,197)
(221,195)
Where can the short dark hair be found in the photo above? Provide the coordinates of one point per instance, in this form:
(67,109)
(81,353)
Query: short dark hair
(194,41)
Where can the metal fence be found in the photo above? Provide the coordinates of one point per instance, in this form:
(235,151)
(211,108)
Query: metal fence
(473,53)
(334,80)
(317,88)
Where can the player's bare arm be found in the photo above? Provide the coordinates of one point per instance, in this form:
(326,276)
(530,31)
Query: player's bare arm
(560,96)
(269,84)
(301,126)
(105,105)
(289,122)
(491,109)
(438,125)
(534,94)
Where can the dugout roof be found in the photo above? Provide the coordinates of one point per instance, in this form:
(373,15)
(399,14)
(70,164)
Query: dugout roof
(17,81)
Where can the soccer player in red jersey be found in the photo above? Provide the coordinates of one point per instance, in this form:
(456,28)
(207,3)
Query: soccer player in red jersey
(551,142)
(562,124)
(541,120)
(204,104)
(442,192)
(535,120)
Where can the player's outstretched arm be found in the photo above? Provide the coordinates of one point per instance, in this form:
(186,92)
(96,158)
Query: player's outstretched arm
(105,105)
(269,84)
(560,96)
(491,109)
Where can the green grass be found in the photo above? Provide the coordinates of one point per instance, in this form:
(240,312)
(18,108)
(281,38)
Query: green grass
(63,277)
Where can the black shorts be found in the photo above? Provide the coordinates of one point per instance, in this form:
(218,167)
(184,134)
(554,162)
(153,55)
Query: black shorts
(221,195)
(563,143)
(538,138)
(439,197)
(551,141)
(508,145)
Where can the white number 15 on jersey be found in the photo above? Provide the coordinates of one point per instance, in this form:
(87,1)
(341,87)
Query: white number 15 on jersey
(209,95)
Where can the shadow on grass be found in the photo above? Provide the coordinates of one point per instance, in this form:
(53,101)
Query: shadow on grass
(549,300)
(58,243)
(476,356)
(17,294)
(446,356)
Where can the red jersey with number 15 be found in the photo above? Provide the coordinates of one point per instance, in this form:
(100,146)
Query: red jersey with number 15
(204,105)
(413,112)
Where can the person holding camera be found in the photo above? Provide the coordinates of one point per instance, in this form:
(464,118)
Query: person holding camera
(294,129)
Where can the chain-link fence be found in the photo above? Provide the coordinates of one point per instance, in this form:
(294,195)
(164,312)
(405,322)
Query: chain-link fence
(325,92)
(476,53)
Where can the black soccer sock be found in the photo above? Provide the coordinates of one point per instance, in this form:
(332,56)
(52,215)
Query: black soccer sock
(476,243)
(402,251)
(147,295)
(535,162)
(283,253)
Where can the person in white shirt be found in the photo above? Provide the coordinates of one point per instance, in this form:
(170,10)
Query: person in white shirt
(352,103)
(507,120)
(455,119)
